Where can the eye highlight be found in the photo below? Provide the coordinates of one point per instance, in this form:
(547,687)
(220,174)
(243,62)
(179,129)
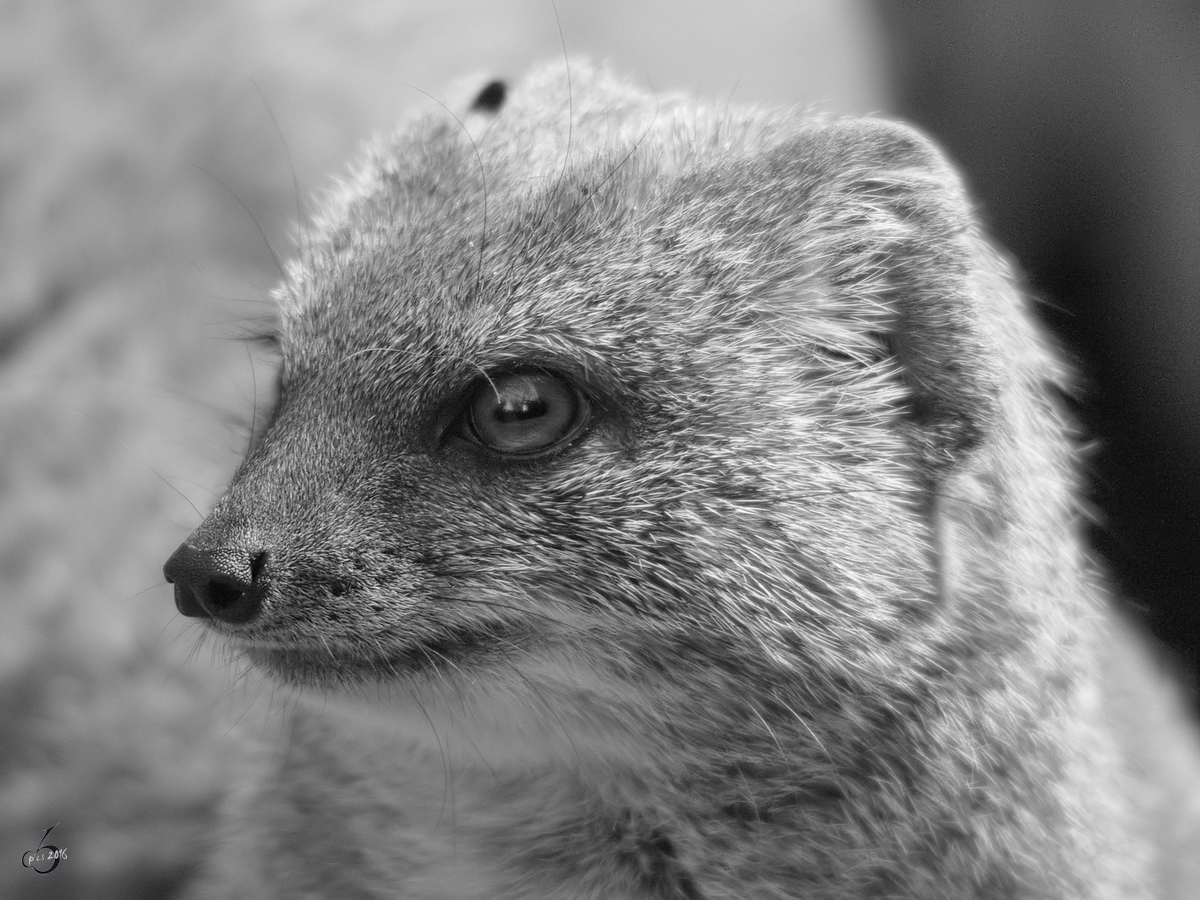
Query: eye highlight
(525,413)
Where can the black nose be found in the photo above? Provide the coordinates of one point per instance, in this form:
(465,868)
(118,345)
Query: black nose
(225,584)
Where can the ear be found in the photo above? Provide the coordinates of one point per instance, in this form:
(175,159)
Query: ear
(898,233)
(898,237)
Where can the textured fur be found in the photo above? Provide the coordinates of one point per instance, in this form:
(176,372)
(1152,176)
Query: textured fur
(803,612)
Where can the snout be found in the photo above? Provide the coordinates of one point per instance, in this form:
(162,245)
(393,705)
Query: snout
(226,584)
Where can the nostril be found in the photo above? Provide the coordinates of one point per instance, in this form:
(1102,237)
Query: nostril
(256,567)
(221,593)
(226,584)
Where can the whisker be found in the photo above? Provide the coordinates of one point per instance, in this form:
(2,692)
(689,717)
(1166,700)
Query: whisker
(279,266)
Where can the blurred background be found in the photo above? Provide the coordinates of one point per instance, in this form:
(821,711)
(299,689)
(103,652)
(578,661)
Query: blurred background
(154,157)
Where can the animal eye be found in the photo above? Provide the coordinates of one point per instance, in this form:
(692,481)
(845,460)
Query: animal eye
(525,412)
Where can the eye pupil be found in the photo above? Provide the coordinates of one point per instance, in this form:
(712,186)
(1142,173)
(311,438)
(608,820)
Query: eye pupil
(524,413)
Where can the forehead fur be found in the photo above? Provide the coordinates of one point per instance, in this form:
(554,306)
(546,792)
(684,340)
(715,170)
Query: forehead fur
(455,170)
(556,118)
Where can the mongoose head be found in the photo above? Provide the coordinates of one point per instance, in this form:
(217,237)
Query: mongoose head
(589,394)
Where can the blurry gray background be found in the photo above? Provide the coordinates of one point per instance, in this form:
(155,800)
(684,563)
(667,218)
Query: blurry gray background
(154,158)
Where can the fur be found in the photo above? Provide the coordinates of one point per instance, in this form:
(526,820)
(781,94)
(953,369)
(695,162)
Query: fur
(801,612)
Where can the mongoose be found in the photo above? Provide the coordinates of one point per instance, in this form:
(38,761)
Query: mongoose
(671,500)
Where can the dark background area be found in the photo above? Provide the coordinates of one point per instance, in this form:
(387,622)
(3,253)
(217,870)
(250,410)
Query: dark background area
(1078,127)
